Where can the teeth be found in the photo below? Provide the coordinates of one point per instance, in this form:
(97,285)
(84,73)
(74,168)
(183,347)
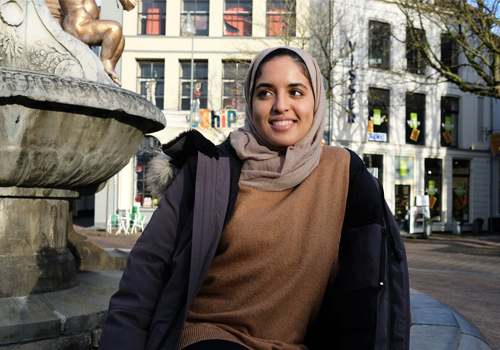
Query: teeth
(282,122)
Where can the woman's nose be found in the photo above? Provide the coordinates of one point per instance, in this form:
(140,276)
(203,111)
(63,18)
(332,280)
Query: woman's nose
(281,103)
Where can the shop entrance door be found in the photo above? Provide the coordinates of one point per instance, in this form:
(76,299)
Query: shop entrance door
(402,212)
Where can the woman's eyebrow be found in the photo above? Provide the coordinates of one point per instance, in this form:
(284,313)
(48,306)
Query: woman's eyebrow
(297,85)
(266,85)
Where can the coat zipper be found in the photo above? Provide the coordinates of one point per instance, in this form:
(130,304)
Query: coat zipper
(381,273)
(391,251)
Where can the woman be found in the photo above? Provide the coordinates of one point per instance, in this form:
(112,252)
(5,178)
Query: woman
(243,251)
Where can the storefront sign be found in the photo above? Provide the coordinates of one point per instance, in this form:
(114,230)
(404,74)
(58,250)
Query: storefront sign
(414,134)
(447,127)
(226,119)
(377,119)
(432,201)
(377,136)
(413,120)
(432,188)
(370,126)
(402,167)
(447,123)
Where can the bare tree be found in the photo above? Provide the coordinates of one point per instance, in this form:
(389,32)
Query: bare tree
(467,52)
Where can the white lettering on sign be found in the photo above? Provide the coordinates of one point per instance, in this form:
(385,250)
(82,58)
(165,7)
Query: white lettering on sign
(377,136)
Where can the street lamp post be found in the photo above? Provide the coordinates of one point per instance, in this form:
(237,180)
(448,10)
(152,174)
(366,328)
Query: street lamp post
(189,29)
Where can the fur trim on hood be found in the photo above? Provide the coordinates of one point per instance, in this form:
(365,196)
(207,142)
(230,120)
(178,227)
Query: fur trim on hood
(160,175)
(163,168)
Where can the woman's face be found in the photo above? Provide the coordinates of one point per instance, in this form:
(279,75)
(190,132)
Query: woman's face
(282,103)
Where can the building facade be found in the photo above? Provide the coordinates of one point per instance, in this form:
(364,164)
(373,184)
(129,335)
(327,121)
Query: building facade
(421,135)
(418,138)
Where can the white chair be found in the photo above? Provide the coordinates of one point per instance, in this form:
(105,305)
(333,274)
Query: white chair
(112,222)
(124,223)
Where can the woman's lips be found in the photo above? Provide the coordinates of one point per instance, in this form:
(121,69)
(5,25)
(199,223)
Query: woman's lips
(282,125)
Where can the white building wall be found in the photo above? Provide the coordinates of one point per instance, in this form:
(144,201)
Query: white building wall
(353,16)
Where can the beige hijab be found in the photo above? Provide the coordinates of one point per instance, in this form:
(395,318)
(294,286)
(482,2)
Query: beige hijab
(265,167)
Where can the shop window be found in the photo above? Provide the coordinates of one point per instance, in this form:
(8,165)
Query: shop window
(233,80)
(433,178)
(238,18)
(449,53)
(150,81)
(403,168)
(402,209)
(280,18)
(152,16)
(378,119)
(379,44)
(415,119)
(148,149)
(449,121)
(200,87)
(199,10)
(461,171)
(375,165)
(415,61)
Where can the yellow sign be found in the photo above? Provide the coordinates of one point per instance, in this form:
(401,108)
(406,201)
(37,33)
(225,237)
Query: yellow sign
(432,201)
(402,167)
(414,134)
(495,142)
(370,126)
(447,136)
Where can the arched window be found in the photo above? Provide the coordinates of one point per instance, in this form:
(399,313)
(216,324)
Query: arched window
(148,149)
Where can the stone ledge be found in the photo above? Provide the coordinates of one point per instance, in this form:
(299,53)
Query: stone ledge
(66,317)
(436,326)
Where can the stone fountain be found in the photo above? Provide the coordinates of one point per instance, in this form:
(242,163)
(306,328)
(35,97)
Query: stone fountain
(65,128)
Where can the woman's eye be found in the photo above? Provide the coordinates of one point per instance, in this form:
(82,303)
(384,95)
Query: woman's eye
(296,93)
(263,93)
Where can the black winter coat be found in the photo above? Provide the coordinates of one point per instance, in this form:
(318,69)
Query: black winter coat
(365,307)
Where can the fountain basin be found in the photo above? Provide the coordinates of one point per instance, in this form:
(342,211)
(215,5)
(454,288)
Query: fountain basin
(60,137)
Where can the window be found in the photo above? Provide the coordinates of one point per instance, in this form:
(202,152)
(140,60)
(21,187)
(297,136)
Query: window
(404,169)
(199,10)
(152,17)
(233,80)
(449,121)
(449,53)
(375,164)
(280,18)
(150,81)
(404,174)
(378,119)
(148,149)
(415,119)
(238,18)
(379,45)
(461,190)
(415,62)
(433,186)
(200,80)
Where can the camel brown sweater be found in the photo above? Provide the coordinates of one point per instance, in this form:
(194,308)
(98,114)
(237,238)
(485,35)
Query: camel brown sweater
(267,281)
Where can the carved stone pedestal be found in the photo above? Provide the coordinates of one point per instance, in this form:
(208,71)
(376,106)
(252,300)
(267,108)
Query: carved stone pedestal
(33,239)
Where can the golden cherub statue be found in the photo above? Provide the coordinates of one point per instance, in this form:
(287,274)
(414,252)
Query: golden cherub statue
(80,18)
